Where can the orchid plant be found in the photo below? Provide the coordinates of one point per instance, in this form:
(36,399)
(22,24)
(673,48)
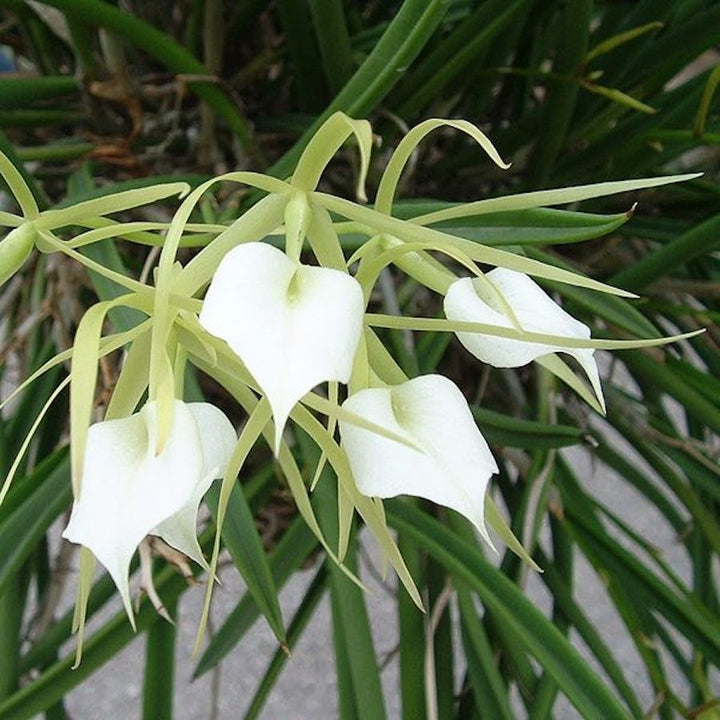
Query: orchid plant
(274,309)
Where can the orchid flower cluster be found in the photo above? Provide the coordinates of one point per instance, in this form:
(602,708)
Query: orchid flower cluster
(275,312)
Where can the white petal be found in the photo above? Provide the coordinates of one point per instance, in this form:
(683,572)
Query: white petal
(217,441)
(469,300)
(431,412)
(217,437)
(293,326)
(127,490)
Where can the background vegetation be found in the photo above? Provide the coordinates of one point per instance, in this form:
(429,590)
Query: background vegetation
(100,95)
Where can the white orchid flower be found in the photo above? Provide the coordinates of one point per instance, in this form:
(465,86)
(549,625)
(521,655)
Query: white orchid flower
(127,491)
(293,326)
(452,464)
(471,300)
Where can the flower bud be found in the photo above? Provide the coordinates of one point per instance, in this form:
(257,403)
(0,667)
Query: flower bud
(15,249)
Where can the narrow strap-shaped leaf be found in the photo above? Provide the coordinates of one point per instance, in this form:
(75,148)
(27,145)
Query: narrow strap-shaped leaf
(585,690)
(58,679)
(23,529)
(487,684)
(687,613)
(289,555)
(159,675)
(333,36)
(303,615)
(589,633)
(410,29)
(249,435)
(240,536)
(412,627)
(702,238)
(507,431)
(350,614)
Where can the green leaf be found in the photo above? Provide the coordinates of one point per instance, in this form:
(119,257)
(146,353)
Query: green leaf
(23,528)
(241,538)
(588,631)
(351,624)
(159,676)
(507,431)
(57,680)
(696,622)
(537,226)
(488,685)
(289,555)
(407,34)
(585,690)
(303,615)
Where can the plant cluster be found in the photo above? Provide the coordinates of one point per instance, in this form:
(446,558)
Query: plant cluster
(342,339)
